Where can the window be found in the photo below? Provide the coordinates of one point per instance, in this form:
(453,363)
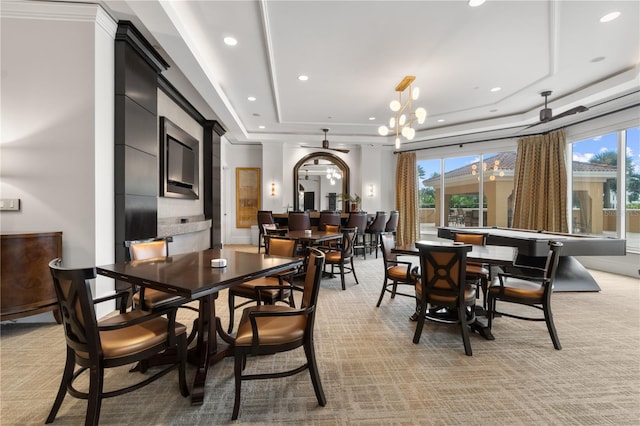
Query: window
(428,202)
(599,205)
(632,177)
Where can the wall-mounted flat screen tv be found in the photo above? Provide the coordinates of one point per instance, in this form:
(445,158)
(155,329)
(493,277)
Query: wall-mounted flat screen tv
(179,162)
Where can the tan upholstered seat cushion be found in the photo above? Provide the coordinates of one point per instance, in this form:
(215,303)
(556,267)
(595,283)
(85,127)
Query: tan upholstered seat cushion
(518,289)
(135,338)
(271,330)
(154,298)
(248,288)
(469,296)
(333,257)
(397,272)
(477,270)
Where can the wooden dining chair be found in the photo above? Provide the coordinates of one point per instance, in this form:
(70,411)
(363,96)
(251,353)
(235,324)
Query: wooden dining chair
(396,272)
(476,271)
(341,255)
(270,289)
(531,290)
(271,329)
(358,220)
(265,219)
(443,286)
(117,341)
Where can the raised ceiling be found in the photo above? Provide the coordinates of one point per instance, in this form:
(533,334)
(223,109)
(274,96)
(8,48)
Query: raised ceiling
(356,52)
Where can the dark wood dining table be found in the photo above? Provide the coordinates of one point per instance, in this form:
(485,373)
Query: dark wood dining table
(492,255)
(191,276)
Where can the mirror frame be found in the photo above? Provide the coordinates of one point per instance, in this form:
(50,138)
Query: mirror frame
(339,162)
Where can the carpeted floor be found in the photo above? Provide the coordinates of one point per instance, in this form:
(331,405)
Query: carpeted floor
(372,373)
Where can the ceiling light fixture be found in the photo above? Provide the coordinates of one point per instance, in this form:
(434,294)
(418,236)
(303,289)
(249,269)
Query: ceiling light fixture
(403,125)
(610,17)
(303,77)
(476,3)
(251,98)
(230,41)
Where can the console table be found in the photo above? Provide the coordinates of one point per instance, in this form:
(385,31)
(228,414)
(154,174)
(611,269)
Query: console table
(25,280)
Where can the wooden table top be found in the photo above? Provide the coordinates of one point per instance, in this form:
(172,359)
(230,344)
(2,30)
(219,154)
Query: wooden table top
(498,255)
(191,275)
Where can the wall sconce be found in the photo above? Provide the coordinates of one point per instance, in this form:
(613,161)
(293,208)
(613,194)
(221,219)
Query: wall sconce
(273,189)
(371,191)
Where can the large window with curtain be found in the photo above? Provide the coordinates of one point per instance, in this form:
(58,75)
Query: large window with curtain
(462,191)
(428,203)
(605,196)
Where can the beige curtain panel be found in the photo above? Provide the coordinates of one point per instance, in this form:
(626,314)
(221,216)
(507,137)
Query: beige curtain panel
(407,198)
(540,183)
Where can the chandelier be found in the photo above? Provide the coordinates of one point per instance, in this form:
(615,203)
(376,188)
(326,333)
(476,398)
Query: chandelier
(333,174)
(405,116)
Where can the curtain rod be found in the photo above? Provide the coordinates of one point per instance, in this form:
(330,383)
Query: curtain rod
(517,136)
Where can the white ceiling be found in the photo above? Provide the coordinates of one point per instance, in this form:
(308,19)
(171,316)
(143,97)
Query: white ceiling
(356,52)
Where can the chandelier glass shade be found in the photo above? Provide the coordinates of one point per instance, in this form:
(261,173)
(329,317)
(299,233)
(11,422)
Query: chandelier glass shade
(405,116)
(333,174)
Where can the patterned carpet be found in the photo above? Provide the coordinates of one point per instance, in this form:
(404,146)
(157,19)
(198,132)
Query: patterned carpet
(373,374)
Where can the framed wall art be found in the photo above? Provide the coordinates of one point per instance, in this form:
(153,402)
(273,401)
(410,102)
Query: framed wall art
(247,196)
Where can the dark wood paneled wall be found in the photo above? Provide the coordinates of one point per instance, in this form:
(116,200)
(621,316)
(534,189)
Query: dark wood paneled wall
(137,66)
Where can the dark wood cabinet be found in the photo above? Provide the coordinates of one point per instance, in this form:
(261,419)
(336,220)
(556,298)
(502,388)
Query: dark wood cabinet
(26,285)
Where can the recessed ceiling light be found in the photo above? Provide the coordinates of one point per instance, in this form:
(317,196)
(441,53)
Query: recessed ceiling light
(230,41)
(441,120)
(303,77)
(476,3)
(496,89)
(260,127)
(251,98)
(371,118)
(610,16)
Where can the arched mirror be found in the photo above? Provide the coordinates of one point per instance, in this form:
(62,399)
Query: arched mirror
(319,180)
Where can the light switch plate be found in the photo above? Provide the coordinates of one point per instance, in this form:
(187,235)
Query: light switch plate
(9,204)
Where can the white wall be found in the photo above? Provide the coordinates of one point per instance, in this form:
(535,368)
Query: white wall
(57,127)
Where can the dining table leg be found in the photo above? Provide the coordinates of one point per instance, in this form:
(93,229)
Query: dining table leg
(208,349)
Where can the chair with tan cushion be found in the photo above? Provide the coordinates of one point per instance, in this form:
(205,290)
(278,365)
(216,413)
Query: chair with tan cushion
(120,340)
(476,272)
(270,289)
(396,272)
(341,255)
(271,329)
(531,290)
(443,288)
(149,299)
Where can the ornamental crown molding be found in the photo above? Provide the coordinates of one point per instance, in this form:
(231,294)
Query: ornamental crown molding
(52,11)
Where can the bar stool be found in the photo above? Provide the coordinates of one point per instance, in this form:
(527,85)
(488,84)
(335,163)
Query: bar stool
(375,229)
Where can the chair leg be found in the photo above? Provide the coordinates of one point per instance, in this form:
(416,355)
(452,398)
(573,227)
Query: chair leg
(96,382)
(341,274)
(313,372)
(464,327)
(491,308)
(394,290)
(420,323)
(384,288)
(231,310)
(64,382)
(353,270)
(548,318)
(237,369)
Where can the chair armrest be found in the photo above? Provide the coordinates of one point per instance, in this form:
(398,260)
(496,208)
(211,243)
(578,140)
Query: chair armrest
(135,317)
(503,275)
(122,294)
(257,314)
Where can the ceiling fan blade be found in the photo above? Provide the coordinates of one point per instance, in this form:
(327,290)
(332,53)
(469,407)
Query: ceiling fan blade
(346,151)
(570,112)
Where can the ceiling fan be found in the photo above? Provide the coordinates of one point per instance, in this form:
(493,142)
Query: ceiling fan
(325,144)
(546,114)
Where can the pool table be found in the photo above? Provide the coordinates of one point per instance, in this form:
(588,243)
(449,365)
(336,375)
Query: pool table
(533,248)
